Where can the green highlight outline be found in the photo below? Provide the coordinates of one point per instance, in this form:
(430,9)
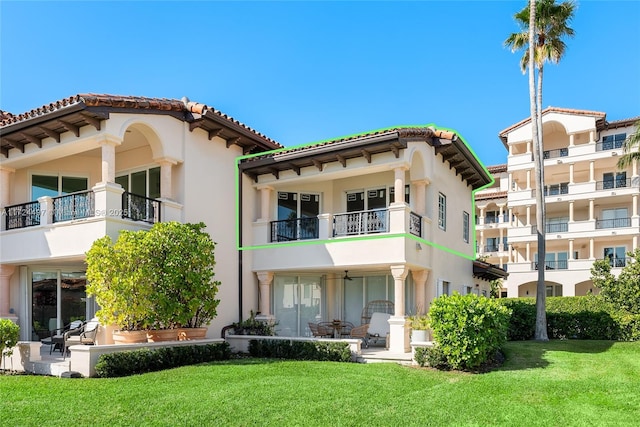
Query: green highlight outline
(472,227)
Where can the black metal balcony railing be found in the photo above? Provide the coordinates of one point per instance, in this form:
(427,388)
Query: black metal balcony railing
(551,154)
(609,145)
(613,223)
(73,206)
(415,224)
(363,222)
(491,248)
(613,183)
(552,265)
(140,208)
(618,262)
(556,227)
(22,215)
(294,229)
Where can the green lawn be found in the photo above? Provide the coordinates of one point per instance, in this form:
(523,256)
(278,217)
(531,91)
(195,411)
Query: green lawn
(558,383)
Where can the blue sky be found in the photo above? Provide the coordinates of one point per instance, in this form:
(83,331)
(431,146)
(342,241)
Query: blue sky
(306,71)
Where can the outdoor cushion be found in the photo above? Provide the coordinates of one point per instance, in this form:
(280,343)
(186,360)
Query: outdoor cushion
(379,325)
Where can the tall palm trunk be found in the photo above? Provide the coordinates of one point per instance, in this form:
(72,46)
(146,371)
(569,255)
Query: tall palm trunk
(541,214)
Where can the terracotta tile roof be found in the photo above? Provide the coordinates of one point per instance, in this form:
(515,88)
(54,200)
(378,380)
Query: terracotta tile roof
(491,195)
(121,101)
(5,115)
(497,168)
(621,123)
(598,114)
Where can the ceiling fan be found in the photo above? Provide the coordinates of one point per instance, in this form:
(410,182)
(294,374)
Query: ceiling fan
(346,275)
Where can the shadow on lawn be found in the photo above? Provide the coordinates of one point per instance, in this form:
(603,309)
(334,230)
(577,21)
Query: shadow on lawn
(531,354)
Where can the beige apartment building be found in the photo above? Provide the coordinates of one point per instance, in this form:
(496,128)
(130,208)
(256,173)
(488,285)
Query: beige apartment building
(592,206)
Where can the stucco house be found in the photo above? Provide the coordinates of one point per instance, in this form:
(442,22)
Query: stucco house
(592,205)
(303,234)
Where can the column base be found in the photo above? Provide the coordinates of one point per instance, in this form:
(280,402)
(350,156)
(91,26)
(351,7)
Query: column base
(399,341)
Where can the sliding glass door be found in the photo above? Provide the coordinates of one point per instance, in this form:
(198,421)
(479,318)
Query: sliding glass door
(297,300)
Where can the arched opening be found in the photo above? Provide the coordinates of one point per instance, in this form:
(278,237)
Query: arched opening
(553,289)
(586,288)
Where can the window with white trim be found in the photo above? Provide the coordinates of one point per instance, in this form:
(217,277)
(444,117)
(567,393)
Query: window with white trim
(465,226)
(442,211)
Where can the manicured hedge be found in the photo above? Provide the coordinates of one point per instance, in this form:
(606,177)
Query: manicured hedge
(146,360)
(301,350)
(584,317)
(468,329)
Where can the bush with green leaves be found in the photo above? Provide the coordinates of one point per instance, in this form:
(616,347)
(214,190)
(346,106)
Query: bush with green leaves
(301,350)
(133,362)
(582,317)
(9,335)
(253,326)
(161,278)
(622,291)
(432,356)
(468,329)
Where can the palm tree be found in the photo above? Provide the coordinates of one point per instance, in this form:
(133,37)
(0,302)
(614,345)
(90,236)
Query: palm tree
(544,25)
(631,148)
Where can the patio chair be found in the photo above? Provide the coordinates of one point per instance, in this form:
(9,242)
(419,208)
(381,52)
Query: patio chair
(57,335)
(87,336)
(362,333)
(376,306)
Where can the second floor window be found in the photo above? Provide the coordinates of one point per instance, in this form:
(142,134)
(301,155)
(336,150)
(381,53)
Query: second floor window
(56,185)
(465,227)
(610,142)
(142,183)
(442,211)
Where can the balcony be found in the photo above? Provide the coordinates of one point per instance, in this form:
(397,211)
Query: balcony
(613,183)
(560,227)
(613,223)
(609,145)
(552,265)
(22,215)
(358,223)
(294,229)
(552,154)
(140,208)
(618,262)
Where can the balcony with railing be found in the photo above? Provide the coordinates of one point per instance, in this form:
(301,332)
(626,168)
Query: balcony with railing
(22,215)
(618,262)
(613,223)
(140,208)
(73,206)
(613,183)
(609,145)
(552,265)
(415,224)
(364,222)
(552,154)
(294,229)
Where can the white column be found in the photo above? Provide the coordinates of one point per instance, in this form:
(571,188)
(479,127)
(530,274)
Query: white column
(481,217)
(570,173)
(592,136)
(108,144)
(528,216)
(571,211)
(500,245)
(500,219)
(265,279)
(420,196)
(571,250)
(510,258)
(481,246)
(5,192)
(265,203)
(528,253)
(592,171)
(398,327)
(420,287)
(510,150)
(46,210)
(398,184)
(591,210)
(572,140)
(528,179)
(528,147)
(510,182)
(634,243)
(634,205)
(166,169)
(634,168)
(591,249)
(510,217)
(5,275)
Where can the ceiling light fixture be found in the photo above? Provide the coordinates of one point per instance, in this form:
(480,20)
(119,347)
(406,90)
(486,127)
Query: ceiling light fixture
(346,275)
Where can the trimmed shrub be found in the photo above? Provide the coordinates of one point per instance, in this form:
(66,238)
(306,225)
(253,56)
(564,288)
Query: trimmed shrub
(432,356)
(629,325)
(146,360)
(468,329)
(301,350)
(585,317)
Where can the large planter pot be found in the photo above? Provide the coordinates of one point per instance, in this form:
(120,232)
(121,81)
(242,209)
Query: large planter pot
(129,337)
(158,335)
(419,335)
(188,334)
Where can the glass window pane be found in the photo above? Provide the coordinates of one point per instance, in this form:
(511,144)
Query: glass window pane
(353,300)
(123,181)
(72,288)
(44,185)
(376,288)
(355,202)
(71,184)
(44,300)
(154,183)
(377,199)
(285,301)
(139,183)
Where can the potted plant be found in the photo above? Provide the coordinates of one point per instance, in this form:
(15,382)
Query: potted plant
(119,280)
(419,324)
(253,326)
(182,261)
